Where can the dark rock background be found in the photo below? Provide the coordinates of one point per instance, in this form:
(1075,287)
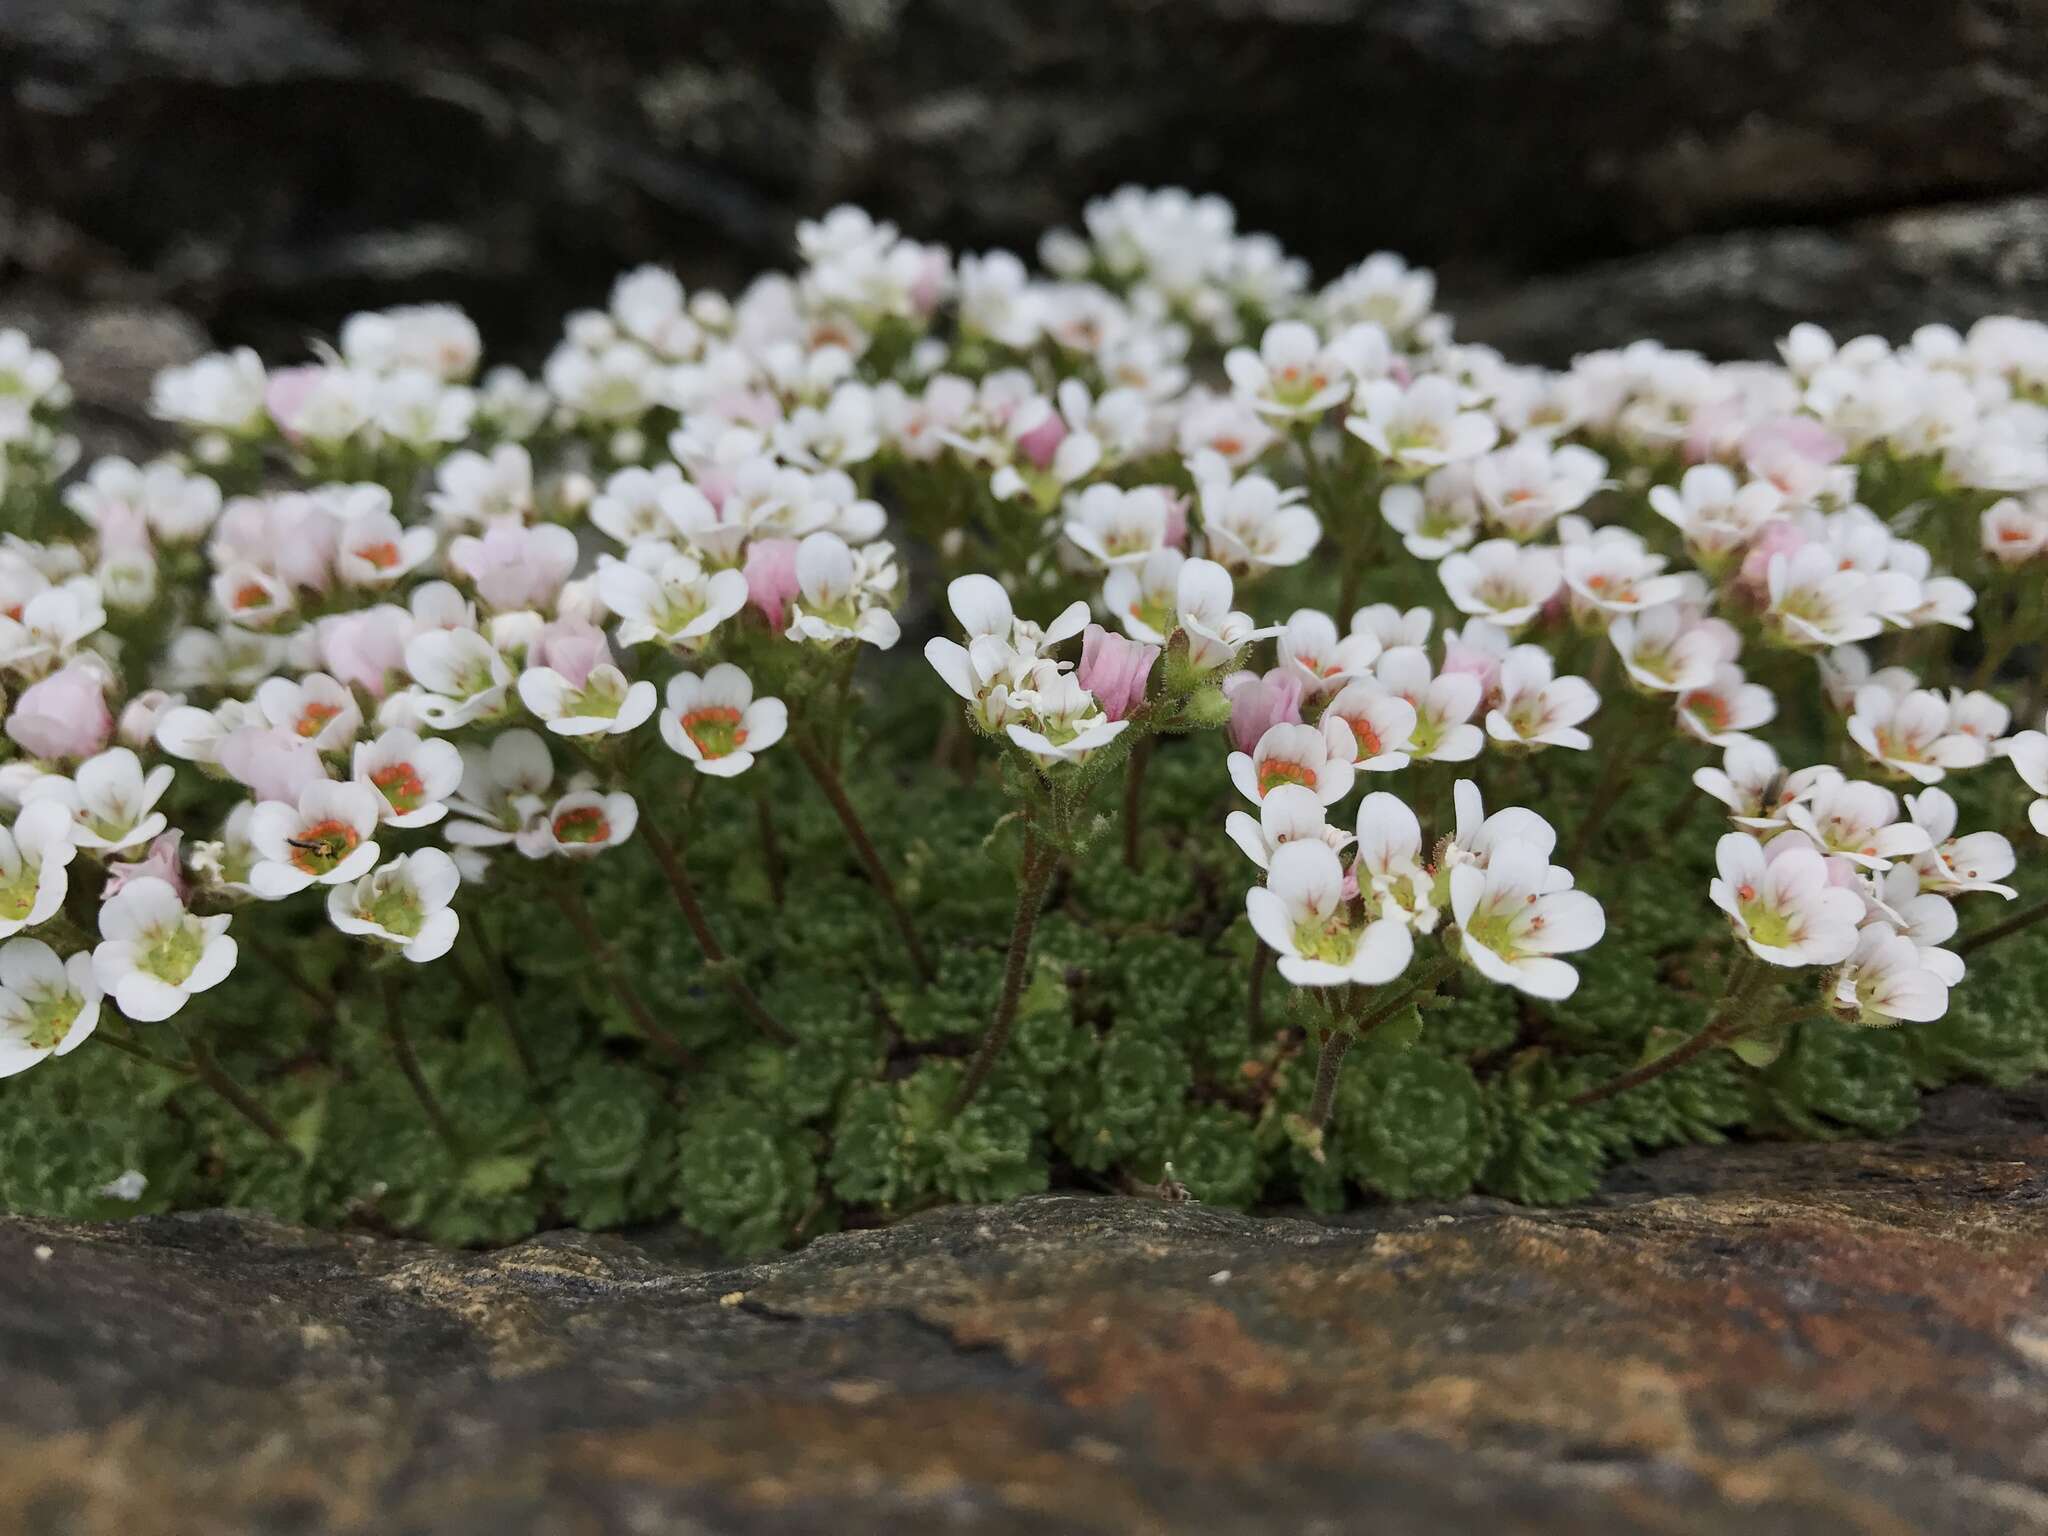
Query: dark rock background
(1582,171)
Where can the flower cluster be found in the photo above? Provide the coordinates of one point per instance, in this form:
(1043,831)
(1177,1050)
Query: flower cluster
(390,633)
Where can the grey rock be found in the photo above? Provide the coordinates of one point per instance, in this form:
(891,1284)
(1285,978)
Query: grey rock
(1766,1340)
(268,164)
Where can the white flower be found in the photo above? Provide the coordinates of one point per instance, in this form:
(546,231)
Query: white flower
(325,839)
(1756,789)
(1952,865)
(48,1005)
(1145,600)
(2028,753)
(1289,812)
(317,708)
(1114,526)
(604,704)
(716,723)
(405,904)
(1382,726)
(663,594)
(1528,485)
(1066,722)
(1514,920)
(1537,709)
(1478,835)
(175,507)
(1669,650)
(1251,524)
(585,822)
(1421,427)
(1215,632)
(1909,733)
(376,551)
(1388,871)
(844,594)
(1716,514)
(415,778)
(1311,650)
(1860,822)
(1814,602)
(464,676)
(630,508)
(1611,571)
(222,391)
(1440,516)
(112,801)
(474,491)
(502,791)
(1443,705)
(1319,760)
(1293,375)
(153,954)
(34,855)
(1781,904)
(1300,913)
(52,624)
(2012,532)
(1501,581)
(1392,627)
(1887,980)
(1723,710)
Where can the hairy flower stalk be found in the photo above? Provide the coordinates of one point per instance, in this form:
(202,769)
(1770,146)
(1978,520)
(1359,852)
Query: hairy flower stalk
(834,790)
(416,1078)
(1731,1020)
(721,963)
(233,1093)
(615,978)
(1033,876)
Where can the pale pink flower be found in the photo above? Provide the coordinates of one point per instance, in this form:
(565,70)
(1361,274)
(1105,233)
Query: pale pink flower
(1115,670)
(64,716)
(771,578)
(1257,704)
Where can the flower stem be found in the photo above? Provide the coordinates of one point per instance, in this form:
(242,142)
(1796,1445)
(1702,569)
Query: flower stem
(1032,880)
(1134,798)
(1329,1066)
(142,1052)
(409,1064)
(215,1077)
(1424,984)
(1728,1022)
(1970,943)
(878,875)
(622,989)
(501,997)
(700,928)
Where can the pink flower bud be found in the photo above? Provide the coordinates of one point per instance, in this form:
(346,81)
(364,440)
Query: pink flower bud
(63,716)
(1257,704)
(771,578)
(272,764)
(570,648)
(366,649)
(1043,441)
(1114,669)
(1777,538)
(1794,436)
(160,863)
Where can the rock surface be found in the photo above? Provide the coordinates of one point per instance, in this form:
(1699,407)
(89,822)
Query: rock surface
(267,165)
(1806,1340)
